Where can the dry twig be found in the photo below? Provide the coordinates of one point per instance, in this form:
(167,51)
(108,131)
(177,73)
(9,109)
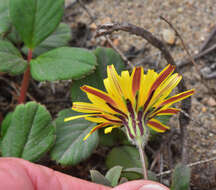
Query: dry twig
(182,42)
(204,50)
(189,165)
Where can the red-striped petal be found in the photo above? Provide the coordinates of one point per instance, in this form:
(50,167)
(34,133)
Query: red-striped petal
(96,128)
(168,111)
(136,80)
(157,126)
(178,97)
(162,76)
(98,93)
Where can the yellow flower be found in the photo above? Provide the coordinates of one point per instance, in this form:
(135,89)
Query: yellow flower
(131,101)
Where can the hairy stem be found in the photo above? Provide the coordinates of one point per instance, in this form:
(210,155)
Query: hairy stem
(142,158)
(25,81)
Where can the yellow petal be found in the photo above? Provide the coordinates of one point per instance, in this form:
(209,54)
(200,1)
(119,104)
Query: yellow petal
(114,79)
(100,103)
(145,86)
(126,85)
(165,89)
(88,107)
(96,119)
(109,129)
(76,117)
(113,86)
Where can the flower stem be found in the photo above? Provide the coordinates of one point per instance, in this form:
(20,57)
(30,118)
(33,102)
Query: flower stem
(25,81)
(142,158)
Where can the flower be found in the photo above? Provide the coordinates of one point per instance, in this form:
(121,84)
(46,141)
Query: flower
(132,101)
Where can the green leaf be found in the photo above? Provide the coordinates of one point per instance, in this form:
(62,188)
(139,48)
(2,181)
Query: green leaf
(59,38)
(30,134)
(62,64)
(123,180)
(105,56)
(6,123)
(98,178)
(70,149)
(35,20)
(139,171)
(4,16)
(4,126)
(181,177)
(113,175)
(14,37)
(125,156)
(116,137)
(11,60)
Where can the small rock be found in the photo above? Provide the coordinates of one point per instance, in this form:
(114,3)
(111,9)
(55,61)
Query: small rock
(68,2)
(116,42)
(106,20)
(202,38)
(93,26)
(180,10)
(169,36)
(211,102)
(204,109)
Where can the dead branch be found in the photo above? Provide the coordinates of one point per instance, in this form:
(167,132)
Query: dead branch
(206,43)
(197,56)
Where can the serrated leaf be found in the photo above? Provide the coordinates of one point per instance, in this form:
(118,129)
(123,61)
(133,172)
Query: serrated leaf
(30,134)
(105,56)
(11,60)
(181,177)
(98,178)
(62,64)
(35,19)
(59,38)
(70,149)
(113,175)
(4,16)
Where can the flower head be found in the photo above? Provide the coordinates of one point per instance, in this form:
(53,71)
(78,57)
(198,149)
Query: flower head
(132,101)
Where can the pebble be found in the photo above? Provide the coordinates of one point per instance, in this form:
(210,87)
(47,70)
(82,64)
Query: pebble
(180,10)
(169,36)
(211,102)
